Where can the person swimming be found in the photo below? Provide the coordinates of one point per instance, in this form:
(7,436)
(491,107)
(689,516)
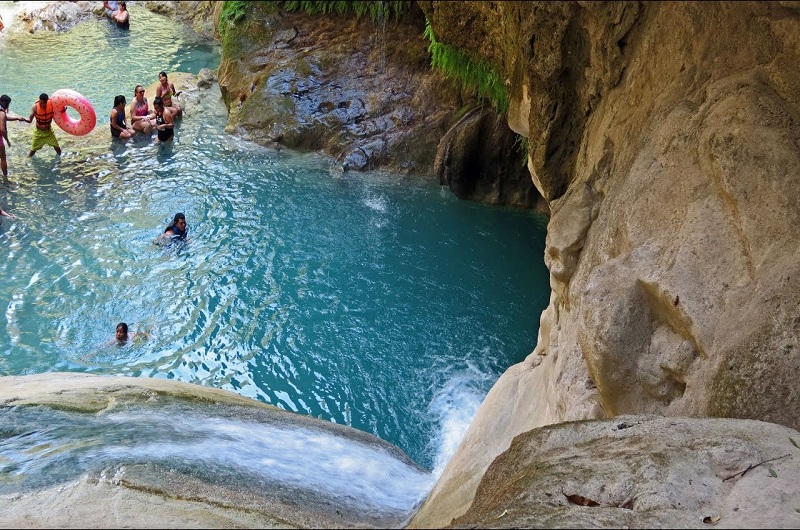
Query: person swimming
(122,336)
(176,230)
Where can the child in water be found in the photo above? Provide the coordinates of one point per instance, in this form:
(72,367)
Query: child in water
(122,336)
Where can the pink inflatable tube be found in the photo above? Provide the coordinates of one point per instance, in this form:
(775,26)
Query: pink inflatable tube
(64,98)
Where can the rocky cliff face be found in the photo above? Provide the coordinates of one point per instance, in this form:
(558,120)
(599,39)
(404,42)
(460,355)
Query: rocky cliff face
(202,16)
(363,93)
(665,137)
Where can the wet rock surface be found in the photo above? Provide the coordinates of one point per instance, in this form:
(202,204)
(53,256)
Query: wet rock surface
(150,492)
(365,94)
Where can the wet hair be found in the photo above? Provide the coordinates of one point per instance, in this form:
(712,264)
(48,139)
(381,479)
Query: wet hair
(119,99)
(158,101)
(43,97)
(5,101)
(173,225)
(123,325)
(163,73)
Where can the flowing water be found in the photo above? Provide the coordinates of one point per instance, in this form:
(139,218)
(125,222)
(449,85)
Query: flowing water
(371,300)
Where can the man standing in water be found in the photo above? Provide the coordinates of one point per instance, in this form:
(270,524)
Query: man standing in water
(43,134)
(5,102)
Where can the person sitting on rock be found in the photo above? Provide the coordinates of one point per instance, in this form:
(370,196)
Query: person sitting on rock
(165,90)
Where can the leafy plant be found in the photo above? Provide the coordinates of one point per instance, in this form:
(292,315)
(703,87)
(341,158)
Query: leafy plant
(473,74)
(232,11)
(376,10)
(525,146)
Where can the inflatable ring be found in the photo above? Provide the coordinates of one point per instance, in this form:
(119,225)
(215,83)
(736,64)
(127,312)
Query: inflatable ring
(64,98)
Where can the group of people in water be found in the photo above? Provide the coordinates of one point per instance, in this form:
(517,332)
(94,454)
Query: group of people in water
(143,119)
(42,110)
(161,118)
(175,231)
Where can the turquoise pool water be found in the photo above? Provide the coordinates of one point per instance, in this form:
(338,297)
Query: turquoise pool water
(373,300)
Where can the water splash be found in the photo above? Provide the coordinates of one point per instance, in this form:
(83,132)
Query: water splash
(454,406)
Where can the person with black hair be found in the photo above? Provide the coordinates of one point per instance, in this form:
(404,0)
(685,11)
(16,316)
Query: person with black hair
(165,90)
(43,111)
(119,128)
(164,122)
(121,335)
(5,117)
(177,229)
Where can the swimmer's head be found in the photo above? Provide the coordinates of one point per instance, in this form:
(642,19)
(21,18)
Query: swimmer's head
(122,332)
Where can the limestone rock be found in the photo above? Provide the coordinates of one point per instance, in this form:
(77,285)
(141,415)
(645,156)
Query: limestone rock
(480,159)
(132,491)
(201,16)
(665,137)
(363,93)
(643,472)
(58,16)
(360,92)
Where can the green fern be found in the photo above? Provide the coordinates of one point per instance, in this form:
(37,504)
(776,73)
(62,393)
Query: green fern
(525,147)
(472,74)
(376,9)
(231,11)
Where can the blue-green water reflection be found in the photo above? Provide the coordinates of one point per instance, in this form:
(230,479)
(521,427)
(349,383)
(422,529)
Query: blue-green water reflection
(372,300)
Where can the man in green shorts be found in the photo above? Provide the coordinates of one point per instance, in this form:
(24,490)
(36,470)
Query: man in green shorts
(43,134)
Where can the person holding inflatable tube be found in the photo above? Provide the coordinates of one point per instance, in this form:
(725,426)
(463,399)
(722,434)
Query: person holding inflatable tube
(42,110)
(120,129)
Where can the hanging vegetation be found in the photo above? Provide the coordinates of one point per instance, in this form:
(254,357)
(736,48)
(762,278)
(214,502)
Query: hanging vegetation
(376,10)
(472,74)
